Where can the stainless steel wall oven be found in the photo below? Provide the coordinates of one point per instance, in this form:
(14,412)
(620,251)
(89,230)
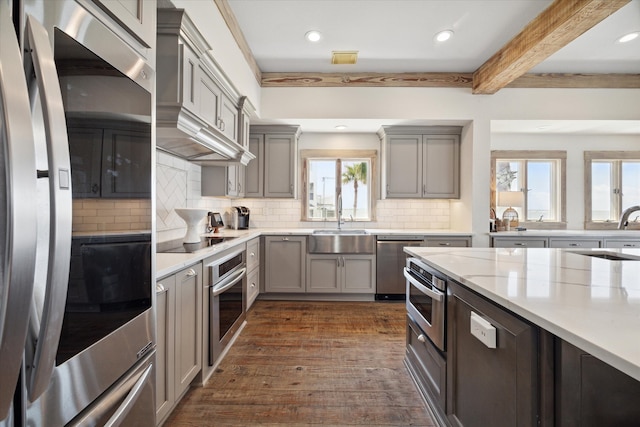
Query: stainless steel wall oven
(227,300)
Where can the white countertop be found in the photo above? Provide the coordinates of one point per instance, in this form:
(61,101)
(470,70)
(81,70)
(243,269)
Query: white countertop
(622,234)
(589,302)
(169,263)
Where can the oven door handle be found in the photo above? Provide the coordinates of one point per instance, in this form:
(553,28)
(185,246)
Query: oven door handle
(229,282)
(435,294)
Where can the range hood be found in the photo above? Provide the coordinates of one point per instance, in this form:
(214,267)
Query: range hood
(185,135)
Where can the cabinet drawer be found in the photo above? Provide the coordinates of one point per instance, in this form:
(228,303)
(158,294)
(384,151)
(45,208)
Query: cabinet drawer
(253,286)
(622,244)
(429,366)
(519,243)
(253,253)
(447,243)
(574,243)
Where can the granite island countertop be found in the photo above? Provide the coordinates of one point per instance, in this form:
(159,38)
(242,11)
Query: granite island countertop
(590,302)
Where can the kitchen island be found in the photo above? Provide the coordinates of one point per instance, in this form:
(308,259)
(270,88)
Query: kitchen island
(581,311)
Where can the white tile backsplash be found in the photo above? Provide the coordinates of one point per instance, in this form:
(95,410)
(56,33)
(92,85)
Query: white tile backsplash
(179,185)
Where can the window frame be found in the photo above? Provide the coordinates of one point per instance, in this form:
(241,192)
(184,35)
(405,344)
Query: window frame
(616,158)
(535,155)
(339,155)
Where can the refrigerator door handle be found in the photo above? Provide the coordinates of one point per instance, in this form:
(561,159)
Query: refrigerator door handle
(17,210)
(39,50)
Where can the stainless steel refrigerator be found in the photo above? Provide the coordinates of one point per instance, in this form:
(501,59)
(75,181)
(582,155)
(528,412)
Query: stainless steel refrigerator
(77,341)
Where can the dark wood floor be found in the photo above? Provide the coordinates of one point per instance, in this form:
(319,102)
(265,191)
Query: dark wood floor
(311,363)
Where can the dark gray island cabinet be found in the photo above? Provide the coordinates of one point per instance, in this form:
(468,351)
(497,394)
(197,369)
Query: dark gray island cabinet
(528,376)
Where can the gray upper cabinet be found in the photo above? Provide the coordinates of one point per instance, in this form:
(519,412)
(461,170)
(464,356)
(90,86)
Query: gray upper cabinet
(138,17)
(223,181)
(200,114)
(273,173)
(421,162)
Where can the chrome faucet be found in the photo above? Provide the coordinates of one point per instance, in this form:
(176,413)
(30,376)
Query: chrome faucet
(624,218)
(339,211)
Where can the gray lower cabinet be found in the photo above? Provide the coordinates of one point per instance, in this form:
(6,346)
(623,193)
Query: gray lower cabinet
(574,243)
(421,162)
(341,273)
(447,242)
(285,264)
(253,270)
(591,393)
(519,242)
(621,243)
(490,386)
(179,336)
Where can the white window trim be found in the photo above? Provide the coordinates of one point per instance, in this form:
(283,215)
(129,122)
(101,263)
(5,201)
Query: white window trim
(372,155)
(616,202)
(561,157)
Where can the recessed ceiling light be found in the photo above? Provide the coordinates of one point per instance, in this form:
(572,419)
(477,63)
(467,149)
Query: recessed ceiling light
(443,36)
(341,127)
(313,36)
(629,37)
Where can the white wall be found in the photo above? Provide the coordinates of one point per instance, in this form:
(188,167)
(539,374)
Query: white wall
(575,146)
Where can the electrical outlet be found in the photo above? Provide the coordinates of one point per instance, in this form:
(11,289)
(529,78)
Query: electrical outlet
(483,330)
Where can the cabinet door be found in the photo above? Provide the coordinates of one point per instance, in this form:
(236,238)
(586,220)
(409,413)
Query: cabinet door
(136,16)
(404,166)
(324,273)
(253,253)
(126,164)
(228,118)
(489,386)
(232,181)
(165,341)
(279,165)
(254,171)
(190,79)
(208,98)
(359,273)
(441,166)
(85,150)
(188,326)
(592,393)
(285,263)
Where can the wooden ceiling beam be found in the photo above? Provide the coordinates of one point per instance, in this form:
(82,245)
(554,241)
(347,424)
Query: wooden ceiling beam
(562,22)
(366,80)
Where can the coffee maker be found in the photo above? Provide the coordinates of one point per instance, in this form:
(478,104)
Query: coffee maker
(240,217)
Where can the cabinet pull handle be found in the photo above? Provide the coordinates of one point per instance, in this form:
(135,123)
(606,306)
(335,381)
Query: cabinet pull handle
(160,289)
(422,338)
(519,244)
(424,189)
(253,285)
(338,262)
(252,254)
(285,239)
(190,273)
(223,125)
(444,244)
(573,244)
(629,245)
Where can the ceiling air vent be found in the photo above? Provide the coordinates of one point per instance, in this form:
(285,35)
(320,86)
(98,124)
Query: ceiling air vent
(344,57)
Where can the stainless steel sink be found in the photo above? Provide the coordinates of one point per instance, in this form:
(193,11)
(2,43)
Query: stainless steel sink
(342,242)
(341,231)
(612,256)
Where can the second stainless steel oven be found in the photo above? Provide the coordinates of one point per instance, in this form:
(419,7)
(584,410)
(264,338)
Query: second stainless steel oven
(426,300)
(227,300)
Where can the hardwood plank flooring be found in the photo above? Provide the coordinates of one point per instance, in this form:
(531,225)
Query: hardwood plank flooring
(311,363)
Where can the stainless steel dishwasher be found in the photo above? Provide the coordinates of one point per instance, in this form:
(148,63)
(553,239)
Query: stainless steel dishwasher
(390,260)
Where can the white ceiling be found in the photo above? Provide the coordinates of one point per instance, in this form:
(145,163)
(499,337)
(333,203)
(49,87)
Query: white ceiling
(397,36)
